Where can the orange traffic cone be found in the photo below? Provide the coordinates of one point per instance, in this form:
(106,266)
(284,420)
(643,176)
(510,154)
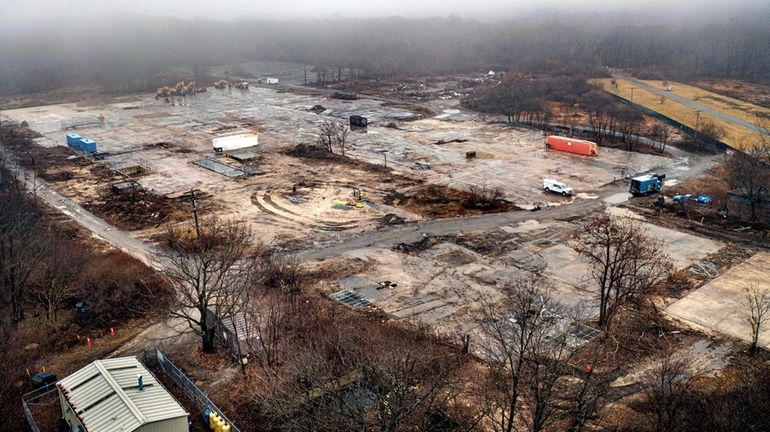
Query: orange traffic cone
(88,342)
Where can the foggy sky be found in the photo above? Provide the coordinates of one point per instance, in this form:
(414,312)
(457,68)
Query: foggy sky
(15,12)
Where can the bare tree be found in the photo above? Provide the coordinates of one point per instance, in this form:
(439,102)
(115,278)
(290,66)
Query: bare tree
(514,328)
(356,375)
(749,174)
(623,259)
(342,137)
(327,135)
(757,301)
(20,247)
(585,399)
(59,276)
(266,313)
(667,389)
(662,135)
(210,266)
(333,133)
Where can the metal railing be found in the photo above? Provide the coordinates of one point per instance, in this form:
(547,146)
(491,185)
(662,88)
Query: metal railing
(41,396)
(196,395)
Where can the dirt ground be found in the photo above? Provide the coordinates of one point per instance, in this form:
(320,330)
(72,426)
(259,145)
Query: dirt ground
(441,281)
(282,195)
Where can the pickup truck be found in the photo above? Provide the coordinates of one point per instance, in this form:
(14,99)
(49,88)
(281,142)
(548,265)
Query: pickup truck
(551,185)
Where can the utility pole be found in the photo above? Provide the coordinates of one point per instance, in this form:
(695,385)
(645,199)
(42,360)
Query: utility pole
(195,213)
(632,92)
(697,124)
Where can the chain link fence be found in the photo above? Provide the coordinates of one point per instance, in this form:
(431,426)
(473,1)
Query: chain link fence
(196,395)
(43,397)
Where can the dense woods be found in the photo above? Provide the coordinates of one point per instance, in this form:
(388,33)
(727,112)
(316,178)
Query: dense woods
(136,54)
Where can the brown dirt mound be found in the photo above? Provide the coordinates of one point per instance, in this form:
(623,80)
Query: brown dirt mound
(444,202)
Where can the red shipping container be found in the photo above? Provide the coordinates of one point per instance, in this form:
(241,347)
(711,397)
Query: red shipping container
(571,145)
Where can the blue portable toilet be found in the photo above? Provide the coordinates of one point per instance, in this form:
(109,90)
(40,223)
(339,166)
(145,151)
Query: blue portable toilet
(88,145)
(73,140)
(206,415)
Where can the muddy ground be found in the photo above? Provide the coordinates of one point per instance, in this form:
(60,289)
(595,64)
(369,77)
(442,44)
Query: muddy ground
(164,140)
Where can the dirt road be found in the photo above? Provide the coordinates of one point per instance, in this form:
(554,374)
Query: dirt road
(413,232)
(145,252)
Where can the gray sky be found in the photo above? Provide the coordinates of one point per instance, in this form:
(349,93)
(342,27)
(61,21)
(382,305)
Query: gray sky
(24,10)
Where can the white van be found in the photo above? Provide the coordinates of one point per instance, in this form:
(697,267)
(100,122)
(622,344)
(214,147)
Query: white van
(551,185)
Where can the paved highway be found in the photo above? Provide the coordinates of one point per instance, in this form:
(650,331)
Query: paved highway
(689,103)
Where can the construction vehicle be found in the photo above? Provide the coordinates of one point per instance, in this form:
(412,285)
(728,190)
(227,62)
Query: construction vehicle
(646,184)
(221,84)
(243,85)
(180,89)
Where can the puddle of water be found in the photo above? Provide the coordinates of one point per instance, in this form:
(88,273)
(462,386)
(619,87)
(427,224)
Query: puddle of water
(709,357)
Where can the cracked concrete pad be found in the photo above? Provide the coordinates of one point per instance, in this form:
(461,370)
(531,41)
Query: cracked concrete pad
(719,305)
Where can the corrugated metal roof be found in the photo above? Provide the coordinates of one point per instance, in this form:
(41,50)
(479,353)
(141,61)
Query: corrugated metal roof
(235,142)
(105,396)
(239,325)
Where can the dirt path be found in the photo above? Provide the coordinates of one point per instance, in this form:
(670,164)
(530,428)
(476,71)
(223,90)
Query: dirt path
(119,239)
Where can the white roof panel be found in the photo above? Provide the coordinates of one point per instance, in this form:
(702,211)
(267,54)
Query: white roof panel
(105,395)
(235,142)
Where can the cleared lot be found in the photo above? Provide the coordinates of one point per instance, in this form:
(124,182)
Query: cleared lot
(440,283)
(290,194)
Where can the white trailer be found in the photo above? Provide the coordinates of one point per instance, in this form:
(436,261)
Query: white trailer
(234,142)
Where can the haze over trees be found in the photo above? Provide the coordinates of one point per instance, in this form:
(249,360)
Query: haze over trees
(136,53)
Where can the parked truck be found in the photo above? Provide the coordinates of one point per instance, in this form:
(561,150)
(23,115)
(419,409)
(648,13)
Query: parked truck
(646,184)
(554,186)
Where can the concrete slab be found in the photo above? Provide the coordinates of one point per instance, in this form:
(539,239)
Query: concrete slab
(719,305)
(682,248)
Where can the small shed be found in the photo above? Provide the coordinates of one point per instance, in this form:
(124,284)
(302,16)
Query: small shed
(236,333)
(119,395)
(358,121)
